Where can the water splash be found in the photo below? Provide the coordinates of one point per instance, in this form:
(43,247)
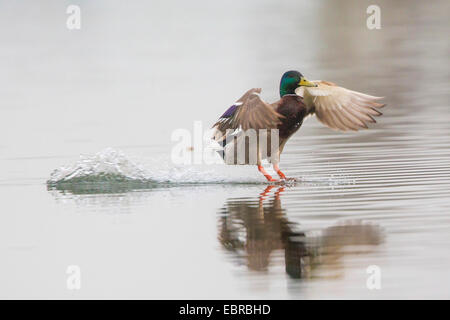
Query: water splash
(111,171)
(108,165)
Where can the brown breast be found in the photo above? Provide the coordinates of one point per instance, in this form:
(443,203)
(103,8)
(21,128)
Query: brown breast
(294,111)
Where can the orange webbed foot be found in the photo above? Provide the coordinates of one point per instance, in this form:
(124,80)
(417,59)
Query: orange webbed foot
(281,175)
(278,171)
(264,172)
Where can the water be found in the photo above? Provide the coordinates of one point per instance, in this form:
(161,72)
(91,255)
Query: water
(145,228)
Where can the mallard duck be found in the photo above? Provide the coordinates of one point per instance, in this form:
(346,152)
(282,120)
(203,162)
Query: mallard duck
(334,106)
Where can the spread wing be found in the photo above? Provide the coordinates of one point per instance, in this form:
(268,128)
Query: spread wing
(249,112)
(340,108)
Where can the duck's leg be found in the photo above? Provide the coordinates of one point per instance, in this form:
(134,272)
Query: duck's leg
(262,170)
(278,171)
(276,168)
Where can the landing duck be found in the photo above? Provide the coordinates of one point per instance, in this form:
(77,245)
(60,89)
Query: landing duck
(336,107)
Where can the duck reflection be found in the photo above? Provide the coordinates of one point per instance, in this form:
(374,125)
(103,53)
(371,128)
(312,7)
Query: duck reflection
(254,230)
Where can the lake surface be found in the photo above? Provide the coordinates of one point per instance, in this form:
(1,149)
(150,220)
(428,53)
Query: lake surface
(134,73)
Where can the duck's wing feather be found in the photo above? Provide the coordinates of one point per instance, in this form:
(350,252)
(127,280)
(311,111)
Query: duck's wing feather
(249,112)
(340,108)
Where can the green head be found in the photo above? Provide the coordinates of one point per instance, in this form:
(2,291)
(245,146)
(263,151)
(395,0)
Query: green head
(291,80)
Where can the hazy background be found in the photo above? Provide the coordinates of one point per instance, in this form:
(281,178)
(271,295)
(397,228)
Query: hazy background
(138,70)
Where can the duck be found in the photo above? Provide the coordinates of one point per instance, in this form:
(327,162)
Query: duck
(275,123)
